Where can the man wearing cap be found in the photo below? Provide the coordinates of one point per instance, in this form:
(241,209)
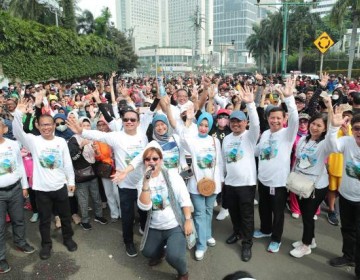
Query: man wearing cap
(300,101)
(13,190)
(238,150)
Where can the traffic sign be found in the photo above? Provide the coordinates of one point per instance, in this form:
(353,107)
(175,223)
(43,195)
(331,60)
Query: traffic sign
(323,42)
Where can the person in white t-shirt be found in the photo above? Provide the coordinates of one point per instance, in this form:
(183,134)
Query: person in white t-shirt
(349,198)
(166,198)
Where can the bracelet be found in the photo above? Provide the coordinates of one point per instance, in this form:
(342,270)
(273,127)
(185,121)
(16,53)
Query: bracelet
(145,190)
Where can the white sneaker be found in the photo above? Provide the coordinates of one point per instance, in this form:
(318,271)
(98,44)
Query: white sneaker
(256,202)
(215,203)
(211,242)
(34,218)
(295,215)
(199,255)
(141,231)
(222,214)
(315,217)
(300,251)
(299,243)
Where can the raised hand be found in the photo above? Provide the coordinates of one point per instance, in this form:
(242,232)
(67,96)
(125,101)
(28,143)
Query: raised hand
(258,77)
(337,119)
(190,114)
(74,126)
(324,78)
(39,99)
(119,176)
(96,95)
(22,105)
(289,86)
(206,82)
(247,94)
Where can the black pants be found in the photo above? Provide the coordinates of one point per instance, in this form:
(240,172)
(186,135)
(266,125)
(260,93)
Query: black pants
(45,202)
(128,197)
(308,208)
(271,211)
(350,230)
(32,197)
(240,201)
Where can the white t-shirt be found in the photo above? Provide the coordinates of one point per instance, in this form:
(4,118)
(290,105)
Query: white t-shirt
(125,147)
(11,165)
(350,183)
(274,150)
(163,216)
(238,152)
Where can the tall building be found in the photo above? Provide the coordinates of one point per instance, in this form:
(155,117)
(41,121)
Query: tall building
(323,7)
(233,22)
(143,17)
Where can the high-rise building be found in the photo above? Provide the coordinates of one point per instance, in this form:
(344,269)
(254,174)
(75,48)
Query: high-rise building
(323,7)
(143,17)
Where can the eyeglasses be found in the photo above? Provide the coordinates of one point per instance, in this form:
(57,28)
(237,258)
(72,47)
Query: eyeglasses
(129,120)
(356,128)
(46,124)
(101,124)
(155,159)
(303,121)
(60,123)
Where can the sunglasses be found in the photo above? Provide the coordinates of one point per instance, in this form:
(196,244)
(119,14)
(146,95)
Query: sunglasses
(129,120)
(303,121)
(155,159)
(223,117)
(61,123)
(356,128)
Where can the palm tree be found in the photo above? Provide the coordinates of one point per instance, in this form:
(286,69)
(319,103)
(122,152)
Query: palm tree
(26,9)
(338,12)
(102,23)
(85,23)
(257,46)
(69,14)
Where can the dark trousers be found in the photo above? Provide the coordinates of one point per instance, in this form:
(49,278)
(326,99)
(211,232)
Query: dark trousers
(308,208)
(32,197)
(350,230)
(175,242)
(60,201)
(128,199)
(271,211)
(240,201)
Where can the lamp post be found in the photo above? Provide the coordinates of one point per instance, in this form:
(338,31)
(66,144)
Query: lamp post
(53,7)
(221,51)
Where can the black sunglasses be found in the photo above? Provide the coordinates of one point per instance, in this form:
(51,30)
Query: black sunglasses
(61,123)
(129,119)
(153,159)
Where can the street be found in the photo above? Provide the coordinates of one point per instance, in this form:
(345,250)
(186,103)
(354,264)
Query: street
(101,255)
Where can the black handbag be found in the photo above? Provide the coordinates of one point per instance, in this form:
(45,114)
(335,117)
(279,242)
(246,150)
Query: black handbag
(84,175)
(102,169)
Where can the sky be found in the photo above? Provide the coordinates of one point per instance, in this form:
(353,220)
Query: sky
(95,6)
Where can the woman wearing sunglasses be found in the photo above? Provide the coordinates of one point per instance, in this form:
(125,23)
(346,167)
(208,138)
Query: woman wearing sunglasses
(169,216)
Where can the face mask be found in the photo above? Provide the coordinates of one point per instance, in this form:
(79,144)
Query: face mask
(265,106)
(335,97)
(223,122)
(61,128)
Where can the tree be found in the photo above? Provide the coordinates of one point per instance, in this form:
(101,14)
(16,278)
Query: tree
(85,23)
(26,9)
(102,23)
(338,13)
(257,46)
(68,14)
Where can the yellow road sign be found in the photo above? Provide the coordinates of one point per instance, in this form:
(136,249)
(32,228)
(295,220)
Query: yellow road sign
(323,42)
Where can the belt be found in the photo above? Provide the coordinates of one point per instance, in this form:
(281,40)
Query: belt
(8,188)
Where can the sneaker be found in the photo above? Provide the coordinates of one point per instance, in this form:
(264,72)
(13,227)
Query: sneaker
(103,205)
(70,245)
(300,251)
(199,255)
(131,250)
(256,202)
(215,203)
(101,220)
(295,215)
(332,218)
(57,222)
(274,247)
(89,208)
(222,214)
(341,261)
(34,218)
(299,243)
(259,234)
(76,219)
(141,231)
(4,266)
(114,220)
(45,253)
(315,217)
(27,249)
(211,242)
(86,226)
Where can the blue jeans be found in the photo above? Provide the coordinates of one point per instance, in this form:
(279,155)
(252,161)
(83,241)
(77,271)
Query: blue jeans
(203,212)
(175,242)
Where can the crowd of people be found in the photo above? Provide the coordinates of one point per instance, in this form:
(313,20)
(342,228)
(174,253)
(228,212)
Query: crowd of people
(172,149)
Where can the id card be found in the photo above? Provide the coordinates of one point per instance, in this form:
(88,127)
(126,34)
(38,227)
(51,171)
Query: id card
(272,191)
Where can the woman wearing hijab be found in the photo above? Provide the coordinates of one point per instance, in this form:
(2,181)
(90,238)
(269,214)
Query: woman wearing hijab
(207,162)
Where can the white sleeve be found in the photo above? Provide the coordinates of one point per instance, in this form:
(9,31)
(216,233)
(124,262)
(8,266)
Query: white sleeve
(219,159)
(24,182)
(139,158)
(68,167)
(180,190)
(25,139)
(106,137)
(330,140)
(293,121)
(221,101)
(254,128)
(115,111)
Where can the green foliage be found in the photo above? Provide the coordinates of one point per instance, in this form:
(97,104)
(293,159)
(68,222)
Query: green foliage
(69,14)
(31,51)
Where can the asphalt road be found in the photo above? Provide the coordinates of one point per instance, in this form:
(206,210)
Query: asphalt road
(101,255)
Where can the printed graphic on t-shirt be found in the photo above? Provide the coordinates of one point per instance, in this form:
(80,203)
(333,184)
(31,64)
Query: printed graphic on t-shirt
(234,152)
(50,158)
(306,158)
(170,155)
(270,150)
(206,158)
(132,151)
(7,162)
(353,168)
(160,199)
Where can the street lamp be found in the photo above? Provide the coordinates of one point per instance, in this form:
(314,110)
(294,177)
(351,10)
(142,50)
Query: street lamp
(221,50)
(53,7)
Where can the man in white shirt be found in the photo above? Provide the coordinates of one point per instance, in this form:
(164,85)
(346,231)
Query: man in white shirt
(13,190)
(53,177)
